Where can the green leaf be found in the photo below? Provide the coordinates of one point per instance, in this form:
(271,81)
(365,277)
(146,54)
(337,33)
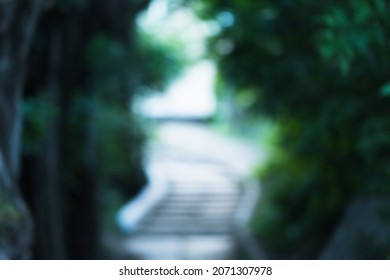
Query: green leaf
(385,90)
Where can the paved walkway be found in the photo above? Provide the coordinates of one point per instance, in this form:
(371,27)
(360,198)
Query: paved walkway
(194,198)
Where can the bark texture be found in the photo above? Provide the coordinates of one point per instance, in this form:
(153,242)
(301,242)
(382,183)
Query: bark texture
(17,24)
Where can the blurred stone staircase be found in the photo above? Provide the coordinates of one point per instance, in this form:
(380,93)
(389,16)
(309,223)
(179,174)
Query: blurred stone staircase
(201,199)
(192,204)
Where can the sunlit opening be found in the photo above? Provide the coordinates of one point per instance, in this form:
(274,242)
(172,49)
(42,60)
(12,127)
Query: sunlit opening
(192,94)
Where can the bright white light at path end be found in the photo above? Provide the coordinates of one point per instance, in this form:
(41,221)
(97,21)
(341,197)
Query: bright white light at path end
(192,96)
(157,11)
(168,23)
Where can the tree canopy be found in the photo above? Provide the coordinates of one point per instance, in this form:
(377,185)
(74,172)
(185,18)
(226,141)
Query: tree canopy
(320,71)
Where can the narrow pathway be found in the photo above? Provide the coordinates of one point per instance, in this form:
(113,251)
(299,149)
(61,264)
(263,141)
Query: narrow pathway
(190,207)
(201,199)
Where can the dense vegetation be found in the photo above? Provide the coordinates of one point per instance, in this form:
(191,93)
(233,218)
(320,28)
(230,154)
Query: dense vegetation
(70,70)
(82,63)
(320,71)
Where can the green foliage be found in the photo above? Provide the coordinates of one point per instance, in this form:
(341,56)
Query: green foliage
(14,221)
(109,61)
(159,62)
(320,70)
(302,196)
(84,59)
(118,68)
(118,161)
(37,111)
(9,212)
(385,90)
(117,138)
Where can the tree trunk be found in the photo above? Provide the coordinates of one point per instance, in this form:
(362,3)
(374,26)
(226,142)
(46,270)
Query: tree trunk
(17,25)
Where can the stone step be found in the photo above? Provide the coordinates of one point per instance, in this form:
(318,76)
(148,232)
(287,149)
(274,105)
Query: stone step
(171,210)
(199,179)
(189,215)
(192,220)
(200,201)
(199,204)
(204,188)
(206,192)
(174,211)
(194,187)
(187,230)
